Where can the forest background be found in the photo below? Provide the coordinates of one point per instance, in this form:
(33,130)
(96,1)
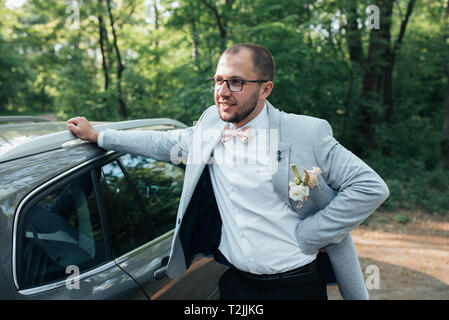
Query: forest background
(377,70)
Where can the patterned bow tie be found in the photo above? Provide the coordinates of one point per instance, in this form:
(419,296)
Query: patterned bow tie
(243,134)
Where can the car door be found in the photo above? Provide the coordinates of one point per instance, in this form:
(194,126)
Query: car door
(158,185)
(61,250)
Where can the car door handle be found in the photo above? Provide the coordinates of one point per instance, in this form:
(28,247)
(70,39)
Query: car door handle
(161,272)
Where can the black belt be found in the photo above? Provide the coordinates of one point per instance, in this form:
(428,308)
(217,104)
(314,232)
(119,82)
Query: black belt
(291,278)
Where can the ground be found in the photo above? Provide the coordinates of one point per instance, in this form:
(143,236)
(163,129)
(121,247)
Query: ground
(412,256)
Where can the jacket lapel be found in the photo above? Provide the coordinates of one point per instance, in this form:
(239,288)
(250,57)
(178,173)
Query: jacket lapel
(205,138)
(281,149)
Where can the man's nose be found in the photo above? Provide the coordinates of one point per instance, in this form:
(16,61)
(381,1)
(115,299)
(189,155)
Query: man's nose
(224,90)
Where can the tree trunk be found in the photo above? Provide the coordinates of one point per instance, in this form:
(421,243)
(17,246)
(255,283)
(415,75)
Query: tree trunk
(353,34)
(220,24)
(156,15)
(195,44)
(378,51)
(388,77)
(103,38)
(445,142)
(388,83)
(120,67)
(156,27)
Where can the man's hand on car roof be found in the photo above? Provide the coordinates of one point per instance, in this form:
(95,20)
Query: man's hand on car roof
(81,127)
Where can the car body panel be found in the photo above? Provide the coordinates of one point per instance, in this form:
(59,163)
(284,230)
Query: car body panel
(131,276)
(199,282)
(142,264)
(107,282)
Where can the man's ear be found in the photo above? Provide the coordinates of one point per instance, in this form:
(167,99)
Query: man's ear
(267,88)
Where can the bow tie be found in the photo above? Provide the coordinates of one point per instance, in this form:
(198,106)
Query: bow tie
(243,134)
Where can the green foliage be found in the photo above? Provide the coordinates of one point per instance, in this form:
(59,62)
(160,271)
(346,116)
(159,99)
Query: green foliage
(168,49)
(402,218)
(13,78)
(423,189)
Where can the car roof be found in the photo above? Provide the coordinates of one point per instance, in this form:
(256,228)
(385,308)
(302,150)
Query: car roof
(12,119)
(22,140)
(37,152)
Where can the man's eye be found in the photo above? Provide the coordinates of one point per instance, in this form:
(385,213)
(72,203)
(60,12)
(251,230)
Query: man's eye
(235,82)
(219,81)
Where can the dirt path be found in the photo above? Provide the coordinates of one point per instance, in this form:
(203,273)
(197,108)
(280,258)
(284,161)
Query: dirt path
(412,258)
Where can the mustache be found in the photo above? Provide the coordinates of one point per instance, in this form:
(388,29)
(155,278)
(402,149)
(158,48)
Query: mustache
(225,101)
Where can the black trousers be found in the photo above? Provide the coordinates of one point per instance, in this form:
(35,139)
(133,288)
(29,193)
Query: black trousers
(304,283)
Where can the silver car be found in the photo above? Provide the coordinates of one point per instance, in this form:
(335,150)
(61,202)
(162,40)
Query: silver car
(78,222)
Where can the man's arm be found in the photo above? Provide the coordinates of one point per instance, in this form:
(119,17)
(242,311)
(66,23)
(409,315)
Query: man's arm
(360,191)
(160,145)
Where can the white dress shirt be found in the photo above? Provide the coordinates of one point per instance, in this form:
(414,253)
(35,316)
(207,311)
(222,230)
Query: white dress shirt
(259,228)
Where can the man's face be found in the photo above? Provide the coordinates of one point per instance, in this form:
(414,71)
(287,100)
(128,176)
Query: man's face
(235,107)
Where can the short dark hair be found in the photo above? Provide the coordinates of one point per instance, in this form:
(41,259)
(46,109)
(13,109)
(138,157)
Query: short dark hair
(261,57)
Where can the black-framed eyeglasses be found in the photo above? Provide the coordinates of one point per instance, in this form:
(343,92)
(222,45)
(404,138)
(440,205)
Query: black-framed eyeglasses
(234,84)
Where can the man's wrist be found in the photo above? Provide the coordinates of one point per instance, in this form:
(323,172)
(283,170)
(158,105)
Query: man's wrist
(94,136)
(100,139)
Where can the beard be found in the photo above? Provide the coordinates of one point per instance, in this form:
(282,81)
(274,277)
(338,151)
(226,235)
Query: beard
(241,112)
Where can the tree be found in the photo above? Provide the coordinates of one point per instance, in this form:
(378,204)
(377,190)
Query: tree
(103,40)
(370,108)
(378,72)
(445,140)
(391,58)
(221,21)
(120,66)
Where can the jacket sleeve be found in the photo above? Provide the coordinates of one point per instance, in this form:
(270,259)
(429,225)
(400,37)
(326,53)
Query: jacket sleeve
(171,145)
(360,191)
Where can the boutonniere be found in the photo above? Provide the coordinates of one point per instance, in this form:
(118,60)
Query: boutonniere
(299,188)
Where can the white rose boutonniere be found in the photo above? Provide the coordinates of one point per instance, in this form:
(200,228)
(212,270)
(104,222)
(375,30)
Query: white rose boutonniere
(299,188)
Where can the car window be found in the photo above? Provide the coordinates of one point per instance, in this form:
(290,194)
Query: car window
(58,229)
(129,223)
(159,185)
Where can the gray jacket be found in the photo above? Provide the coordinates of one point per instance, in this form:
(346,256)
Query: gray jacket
(349,190)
